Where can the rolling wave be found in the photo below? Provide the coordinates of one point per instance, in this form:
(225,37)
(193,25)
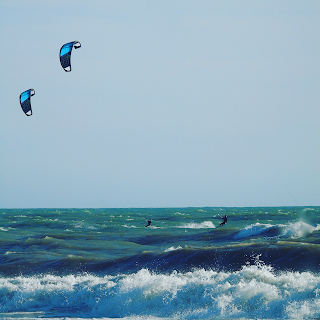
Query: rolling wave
(292,230)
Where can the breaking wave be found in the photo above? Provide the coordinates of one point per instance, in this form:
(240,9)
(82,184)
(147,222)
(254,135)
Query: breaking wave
(292,230)
(255,291)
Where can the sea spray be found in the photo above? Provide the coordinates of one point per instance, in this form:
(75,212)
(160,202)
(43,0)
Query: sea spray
(254,291)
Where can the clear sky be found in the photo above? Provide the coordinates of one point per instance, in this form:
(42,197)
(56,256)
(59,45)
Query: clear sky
(169,103)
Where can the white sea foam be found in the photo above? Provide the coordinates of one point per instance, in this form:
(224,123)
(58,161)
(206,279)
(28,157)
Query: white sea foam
(298,229)
(6,229)
(292,230)
(255,291)
(173,249)
(202,225)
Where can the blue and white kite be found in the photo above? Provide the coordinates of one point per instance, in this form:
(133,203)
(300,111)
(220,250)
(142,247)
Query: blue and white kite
(65,54)
(25,101)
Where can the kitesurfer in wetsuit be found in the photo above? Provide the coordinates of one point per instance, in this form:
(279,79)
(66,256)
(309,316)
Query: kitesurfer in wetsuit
(149,223)
(225,220)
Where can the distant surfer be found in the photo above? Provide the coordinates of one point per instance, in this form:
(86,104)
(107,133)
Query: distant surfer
(225,220)
(149,223)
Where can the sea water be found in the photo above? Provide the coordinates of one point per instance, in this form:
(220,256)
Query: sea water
(106,264)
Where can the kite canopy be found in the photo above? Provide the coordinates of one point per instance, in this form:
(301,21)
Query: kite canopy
(65,54)
(25,101)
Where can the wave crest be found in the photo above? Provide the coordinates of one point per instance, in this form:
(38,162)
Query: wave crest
(292,230)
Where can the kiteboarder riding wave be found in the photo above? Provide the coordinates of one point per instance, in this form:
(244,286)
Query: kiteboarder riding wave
(225,220)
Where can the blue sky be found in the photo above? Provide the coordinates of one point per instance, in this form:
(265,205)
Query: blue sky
(169,104)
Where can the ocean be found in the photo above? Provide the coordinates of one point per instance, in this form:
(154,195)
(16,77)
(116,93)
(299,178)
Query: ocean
(264,263)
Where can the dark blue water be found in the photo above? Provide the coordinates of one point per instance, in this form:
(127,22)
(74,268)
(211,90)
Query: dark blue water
(105,263)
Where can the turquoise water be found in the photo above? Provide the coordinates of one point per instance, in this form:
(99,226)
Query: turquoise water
(104,263)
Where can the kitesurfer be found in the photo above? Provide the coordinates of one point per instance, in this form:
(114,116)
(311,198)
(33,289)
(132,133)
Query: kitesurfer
(225,220)
(149,223)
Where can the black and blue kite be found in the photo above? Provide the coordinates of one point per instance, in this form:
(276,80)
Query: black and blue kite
(25,101)
(65,54)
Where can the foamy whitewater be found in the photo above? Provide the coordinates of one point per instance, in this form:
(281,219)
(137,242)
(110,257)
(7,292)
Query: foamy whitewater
(105,264)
